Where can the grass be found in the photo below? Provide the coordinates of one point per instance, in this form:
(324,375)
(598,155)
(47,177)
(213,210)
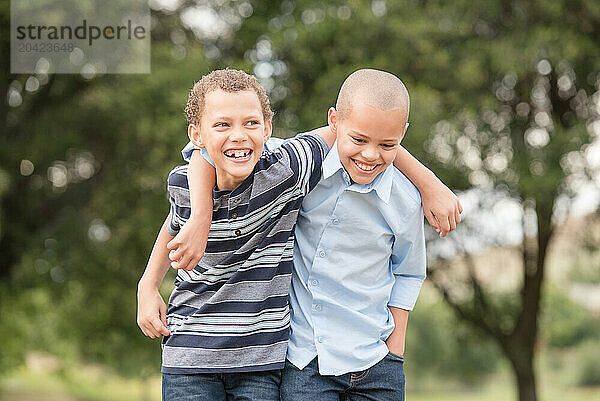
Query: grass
(76,383)
(94,383)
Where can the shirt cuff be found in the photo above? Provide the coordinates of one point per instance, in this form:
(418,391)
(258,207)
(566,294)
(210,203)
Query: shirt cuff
(405,292)
(187,151)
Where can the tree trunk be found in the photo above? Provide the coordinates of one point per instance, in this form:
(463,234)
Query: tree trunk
(519,346)
(521,360)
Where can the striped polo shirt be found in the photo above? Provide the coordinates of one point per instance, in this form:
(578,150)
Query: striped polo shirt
(231,313)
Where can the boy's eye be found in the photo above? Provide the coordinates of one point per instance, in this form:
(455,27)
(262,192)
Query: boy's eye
(253,122)
(388,146)
(358,140)
(221,125)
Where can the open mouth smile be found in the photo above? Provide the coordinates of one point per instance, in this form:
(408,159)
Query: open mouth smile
(238,155)
(364,167)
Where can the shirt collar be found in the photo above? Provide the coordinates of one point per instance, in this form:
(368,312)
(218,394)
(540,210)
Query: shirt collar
(332,162)
(382,184)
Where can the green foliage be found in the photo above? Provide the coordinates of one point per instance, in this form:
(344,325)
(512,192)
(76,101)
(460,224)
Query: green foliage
(565,323)
(75,234)
(588,367)
(440,345)
(585,268)
(82,242)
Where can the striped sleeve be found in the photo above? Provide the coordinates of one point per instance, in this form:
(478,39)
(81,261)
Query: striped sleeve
(179,199)
(306,153)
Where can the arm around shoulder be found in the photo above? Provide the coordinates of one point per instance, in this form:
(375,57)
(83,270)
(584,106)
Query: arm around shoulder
(189,244)
(441,206)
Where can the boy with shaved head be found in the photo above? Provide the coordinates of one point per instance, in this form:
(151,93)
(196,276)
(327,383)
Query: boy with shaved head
(359,259)
(359,255)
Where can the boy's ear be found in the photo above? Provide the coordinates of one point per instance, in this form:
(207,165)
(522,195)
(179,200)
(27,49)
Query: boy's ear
(332,119)
(194,135)
(268,129)
(403,132)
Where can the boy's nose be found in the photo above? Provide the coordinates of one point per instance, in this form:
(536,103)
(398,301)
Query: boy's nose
(237,135)
(369,153)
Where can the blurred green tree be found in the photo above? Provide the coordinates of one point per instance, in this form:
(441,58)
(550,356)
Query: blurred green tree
(505,97)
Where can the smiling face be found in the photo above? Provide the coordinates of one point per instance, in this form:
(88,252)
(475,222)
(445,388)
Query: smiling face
(234,131)
(368,139)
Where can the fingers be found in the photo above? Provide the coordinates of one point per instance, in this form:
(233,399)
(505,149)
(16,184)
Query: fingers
(457,213)
(432,220)
(452,221)
(185,262)
(183,258)
(163,318)
(445,225)
(176,254)
(147,328)
(159,328)
(154,327)
(194,262)
(174,243)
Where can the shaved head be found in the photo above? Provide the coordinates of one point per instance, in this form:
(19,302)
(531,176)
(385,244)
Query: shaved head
(375,88)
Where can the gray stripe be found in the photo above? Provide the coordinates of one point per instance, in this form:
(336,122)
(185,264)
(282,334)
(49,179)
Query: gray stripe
(274,175)
(244,291)
(223,358)
(269,256)
(253,290)
(189,298)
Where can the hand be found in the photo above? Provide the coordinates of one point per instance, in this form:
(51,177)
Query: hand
(395,346)
(188,246)
(152,312)
(442,209)
(395,342)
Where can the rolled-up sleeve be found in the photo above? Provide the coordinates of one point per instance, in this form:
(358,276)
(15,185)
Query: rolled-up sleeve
(408,263)
(188,149)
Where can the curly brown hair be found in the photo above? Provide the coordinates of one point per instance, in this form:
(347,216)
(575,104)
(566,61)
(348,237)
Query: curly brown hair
(228,80)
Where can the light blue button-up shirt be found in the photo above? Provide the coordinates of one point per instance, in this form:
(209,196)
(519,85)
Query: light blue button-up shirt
(359,249)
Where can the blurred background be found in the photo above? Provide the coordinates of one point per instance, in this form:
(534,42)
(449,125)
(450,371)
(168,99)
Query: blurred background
(505,110)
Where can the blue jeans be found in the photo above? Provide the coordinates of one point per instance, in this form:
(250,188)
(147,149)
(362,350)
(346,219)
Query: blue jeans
(382,382)
(250,386)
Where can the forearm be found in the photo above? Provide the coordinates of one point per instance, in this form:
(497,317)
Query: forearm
(423,178)
(189,244)
(158,263)
(396,340)
(327,134)
(201,180)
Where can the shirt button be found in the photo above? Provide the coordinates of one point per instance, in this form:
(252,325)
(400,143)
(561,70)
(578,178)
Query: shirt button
(320,339)
(336,221)
(318,308)
(238,232)
(322,254)
(314,283)
(234,215)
